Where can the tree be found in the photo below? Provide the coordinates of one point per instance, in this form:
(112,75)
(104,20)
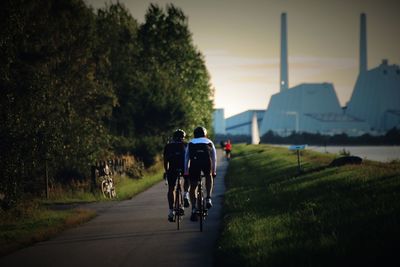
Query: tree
(78,86)
(174,84)
(54,104)
(117,35)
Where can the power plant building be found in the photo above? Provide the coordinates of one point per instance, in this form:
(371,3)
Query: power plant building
(314,108)
(376,95)
(374,106)
(376,98)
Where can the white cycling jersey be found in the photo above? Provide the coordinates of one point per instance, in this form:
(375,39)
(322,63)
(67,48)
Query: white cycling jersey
(202,140)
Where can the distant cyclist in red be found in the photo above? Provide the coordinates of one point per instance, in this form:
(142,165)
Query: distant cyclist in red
(228,149)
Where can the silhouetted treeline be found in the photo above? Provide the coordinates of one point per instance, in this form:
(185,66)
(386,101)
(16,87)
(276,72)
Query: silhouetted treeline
(392,137)
(80,85)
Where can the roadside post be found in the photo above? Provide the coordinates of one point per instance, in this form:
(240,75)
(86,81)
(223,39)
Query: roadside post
(298,148)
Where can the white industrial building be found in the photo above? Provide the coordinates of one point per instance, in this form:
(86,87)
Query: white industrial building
(219,121)
(376,95)
(312,108)
(241,124)
(315,108)
(376,98)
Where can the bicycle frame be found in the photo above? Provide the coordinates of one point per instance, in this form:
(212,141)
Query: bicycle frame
(107,187)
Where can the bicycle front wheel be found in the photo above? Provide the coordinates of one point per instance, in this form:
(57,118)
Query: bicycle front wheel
(113,193)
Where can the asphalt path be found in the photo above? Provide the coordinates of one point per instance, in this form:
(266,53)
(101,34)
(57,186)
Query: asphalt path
(134,232)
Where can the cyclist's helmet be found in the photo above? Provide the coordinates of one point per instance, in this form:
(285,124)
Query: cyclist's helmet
(200,132)
(179,135)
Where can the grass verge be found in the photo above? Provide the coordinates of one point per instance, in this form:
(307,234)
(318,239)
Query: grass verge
(36,224)
(326,216)
(32,221)
(127,188)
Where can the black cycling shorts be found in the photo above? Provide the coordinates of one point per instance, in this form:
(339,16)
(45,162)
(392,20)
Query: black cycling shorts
(195,171)
(172,175)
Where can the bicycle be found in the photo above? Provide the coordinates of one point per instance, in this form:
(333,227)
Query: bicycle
(201,211)
(178,205)
(107,186)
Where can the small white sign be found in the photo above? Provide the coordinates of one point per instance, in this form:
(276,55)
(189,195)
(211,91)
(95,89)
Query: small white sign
(297,147)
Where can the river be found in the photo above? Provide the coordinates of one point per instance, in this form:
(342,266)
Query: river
(377,153)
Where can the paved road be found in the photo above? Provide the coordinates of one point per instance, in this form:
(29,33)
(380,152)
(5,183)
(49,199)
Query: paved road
(132,233)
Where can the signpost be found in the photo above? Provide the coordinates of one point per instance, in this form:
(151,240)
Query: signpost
(298,148)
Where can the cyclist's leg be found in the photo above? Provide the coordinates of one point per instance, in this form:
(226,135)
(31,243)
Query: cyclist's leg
(194,175)
(178,202)
(186,186)
(171,193)
(206,169)
(171,189)
(209,184)
(227,153)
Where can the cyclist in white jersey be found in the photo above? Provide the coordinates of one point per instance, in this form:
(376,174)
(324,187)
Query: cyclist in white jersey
(200,156)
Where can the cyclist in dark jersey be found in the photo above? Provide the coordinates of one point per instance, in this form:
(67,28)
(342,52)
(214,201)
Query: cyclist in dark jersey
(200,157)
(174,159)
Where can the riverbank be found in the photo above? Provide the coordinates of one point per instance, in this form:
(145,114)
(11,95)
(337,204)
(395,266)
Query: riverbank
(376,153)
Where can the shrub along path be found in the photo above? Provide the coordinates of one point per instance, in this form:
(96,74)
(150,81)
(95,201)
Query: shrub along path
(132,233)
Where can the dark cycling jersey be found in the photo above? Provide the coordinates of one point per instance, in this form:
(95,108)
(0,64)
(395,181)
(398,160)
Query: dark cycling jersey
(174,153)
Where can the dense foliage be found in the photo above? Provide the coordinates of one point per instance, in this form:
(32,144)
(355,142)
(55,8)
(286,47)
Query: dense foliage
(80,85)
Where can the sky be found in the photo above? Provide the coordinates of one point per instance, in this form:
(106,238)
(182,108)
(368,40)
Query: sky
(240,40)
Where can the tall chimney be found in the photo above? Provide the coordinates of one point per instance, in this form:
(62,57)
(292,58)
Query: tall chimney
(363,43)
(284,58)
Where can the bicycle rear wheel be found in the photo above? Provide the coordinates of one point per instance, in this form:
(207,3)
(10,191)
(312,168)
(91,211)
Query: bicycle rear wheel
(104,187)
(201,210)
(178,208)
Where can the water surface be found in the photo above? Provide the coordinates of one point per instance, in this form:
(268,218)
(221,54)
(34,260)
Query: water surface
(377,153)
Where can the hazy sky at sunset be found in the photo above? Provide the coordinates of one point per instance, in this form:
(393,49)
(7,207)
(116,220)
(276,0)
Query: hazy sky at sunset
(241,43)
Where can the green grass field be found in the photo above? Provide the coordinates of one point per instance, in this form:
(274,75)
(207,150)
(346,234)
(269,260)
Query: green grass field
(326,216)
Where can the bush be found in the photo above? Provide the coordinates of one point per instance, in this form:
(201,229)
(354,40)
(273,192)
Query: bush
(135,171)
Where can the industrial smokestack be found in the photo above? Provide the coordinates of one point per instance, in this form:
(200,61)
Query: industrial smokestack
(284,82)
(363,43)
